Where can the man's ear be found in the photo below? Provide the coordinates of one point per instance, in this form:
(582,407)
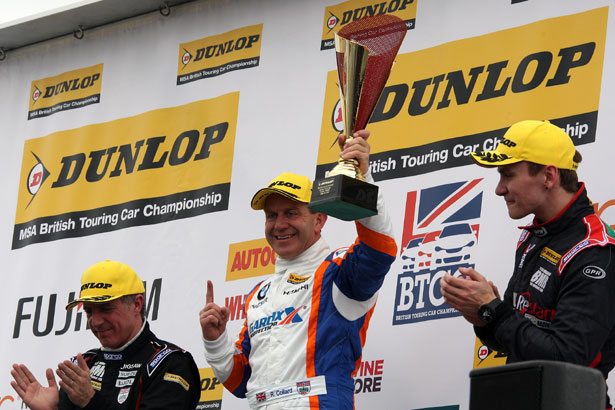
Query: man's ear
(551,174)
(321,219)
(139,300)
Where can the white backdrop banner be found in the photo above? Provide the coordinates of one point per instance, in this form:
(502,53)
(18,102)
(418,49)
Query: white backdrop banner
(144,142)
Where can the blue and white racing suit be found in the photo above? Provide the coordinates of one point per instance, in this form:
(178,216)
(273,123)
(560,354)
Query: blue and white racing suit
(305,325)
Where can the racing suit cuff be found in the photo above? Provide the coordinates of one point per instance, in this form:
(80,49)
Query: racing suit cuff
(215,349)
(501,313)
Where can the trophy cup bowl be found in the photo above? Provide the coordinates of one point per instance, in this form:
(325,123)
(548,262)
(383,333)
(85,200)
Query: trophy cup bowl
(365,50)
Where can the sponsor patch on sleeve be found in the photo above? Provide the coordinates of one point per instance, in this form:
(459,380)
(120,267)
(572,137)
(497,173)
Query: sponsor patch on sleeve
(339,253)
(594,272)
(177,379)
(96,385)
(157,359)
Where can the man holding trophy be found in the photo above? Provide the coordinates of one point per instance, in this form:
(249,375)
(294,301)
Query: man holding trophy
(306,324)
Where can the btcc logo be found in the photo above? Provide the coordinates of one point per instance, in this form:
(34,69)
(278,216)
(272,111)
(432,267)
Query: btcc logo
(96,285)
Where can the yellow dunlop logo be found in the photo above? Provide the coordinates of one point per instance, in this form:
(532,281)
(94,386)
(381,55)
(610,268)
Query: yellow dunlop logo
(176,378)
(296,279)
(341,14)
(441,104)
(211,390)
(550,255)
(158,166)
(485,357)
(249,259)
(221,54)
(73,89)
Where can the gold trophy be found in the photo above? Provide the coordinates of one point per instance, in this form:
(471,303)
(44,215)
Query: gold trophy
(365,50)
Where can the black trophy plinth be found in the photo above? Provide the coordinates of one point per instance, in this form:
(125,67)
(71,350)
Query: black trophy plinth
(345,198)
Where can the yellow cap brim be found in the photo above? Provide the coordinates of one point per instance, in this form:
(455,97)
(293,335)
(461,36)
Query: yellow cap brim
(92,299)
(258,200)
(492,159)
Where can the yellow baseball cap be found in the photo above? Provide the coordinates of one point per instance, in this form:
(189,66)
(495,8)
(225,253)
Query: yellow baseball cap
(535,141)
(293,186)
(107,281)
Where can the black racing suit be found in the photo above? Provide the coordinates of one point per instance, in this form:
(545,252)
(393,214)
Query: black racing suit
(560,301)
(147,374)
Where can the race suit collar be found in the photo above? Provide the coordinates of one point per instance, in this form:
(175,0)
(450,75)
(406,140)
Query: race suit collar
(579,205)
(307,262)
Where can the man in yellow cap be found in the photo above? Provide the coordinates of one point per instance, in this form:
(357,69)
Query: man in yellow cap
(306,323)
(133,368)
(559,302)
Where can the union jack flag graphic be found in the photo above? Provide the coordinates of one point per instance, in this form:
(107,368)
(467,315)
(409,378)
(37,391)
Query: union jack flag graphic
(440,231)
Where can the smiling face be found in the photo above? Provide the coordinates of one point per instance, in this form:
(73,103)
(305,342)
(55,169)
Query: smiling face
(114,323)
(524,193)
(290,227)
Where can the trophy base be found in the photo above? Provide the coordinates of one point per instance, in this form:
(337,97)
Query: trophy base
(344,198)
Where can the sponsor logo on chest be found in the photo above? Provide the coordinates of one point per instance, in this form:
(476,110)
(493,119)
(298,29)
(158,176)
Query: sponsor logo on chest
(123,395)
(97,371)
(124,382)
(282,317)
(296,279)
(128,366)
(292,291)
(540,278)
(113,356)
(527,250)
(550,255)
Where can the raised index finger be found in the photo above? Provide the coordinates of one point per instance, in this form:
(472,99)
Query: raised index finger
(209,297)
